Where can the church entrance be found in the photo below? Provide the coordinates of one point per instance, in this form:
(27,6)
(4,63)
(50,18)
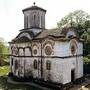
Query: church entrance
(72,75)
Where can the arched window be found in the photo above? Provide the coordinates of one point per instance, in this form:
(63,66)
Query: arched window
(48,65)
(35,64)
(70,34)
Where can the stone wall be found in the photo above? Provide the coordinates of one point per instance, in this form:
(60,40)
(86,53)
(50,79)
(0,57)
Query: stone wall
(34,18)
(61,64)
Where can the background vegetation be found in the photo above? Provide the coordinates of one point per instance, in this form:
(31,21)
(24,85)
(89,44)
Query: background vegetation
(4,53)
(81,21)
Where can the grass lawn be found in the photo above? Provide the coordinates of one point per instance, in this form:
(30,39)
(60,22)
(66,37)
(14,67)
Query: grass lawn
(4,85)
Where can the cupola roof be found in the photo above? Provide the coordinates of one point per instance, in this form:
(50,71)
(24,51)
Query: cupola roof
(34,7)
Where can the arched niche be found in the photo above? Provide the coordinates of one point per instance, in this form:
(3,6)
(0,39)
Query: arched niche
(73,47)
(28,51)
(21,51)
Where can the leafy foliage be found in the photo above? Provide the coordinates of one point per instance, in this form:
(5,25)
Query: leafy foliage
(4,70)
(81,21)
(3,51)
(75,18)
(86,60)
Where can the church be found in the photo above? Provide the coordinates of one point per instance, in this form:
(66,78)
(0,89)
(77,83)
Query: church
(54,55)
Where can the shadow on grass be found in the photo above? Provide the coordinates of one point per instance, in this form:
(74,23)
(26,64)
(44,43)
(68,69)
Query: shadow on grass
(8,86)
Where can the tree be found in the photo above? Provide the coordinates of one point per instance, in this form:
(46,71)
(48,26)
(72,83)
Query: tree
(81,21)
(75,18)
(86,37)
(3,51)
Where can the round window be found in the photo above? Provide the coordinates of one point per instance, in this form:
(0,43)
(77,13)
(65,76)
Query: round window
(48,50)
(35,51)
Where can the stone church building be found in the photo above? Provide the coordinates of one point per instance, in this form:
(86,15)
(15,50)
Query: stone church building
(54,55)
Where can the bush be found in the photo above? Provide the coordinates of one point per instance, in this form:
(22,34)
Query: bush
(86,60)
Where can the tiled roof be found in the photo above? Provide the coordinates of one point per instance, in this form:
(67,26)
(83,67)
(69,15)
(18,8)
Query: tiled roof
(52,32)
(23,38)
(29,32)
(55,33)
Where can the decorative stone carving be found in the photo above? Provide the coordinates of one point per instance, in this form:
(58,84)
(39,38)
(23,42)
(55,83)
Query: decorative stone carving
(48,42)
(15,50)
(35,48)
(35,51)
(48,50)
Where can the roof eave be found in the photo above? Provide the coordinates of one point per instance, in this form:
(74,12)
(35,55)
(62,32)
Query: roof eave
(34,9)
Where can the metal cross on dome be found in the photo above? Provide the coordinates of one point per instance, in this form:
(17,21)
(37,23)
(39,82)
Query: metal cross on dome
(34,3)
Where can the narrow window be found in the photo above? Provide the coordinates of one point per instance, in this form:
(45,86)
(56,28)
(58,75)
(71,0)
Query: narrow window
(27,22)
(12,61)
(16,64)
(41,21)
(35,64)
(35,20)
(48,65)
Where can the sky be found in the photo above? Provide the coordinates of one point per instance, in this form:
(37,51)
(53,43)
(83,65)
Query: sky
(12,19)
